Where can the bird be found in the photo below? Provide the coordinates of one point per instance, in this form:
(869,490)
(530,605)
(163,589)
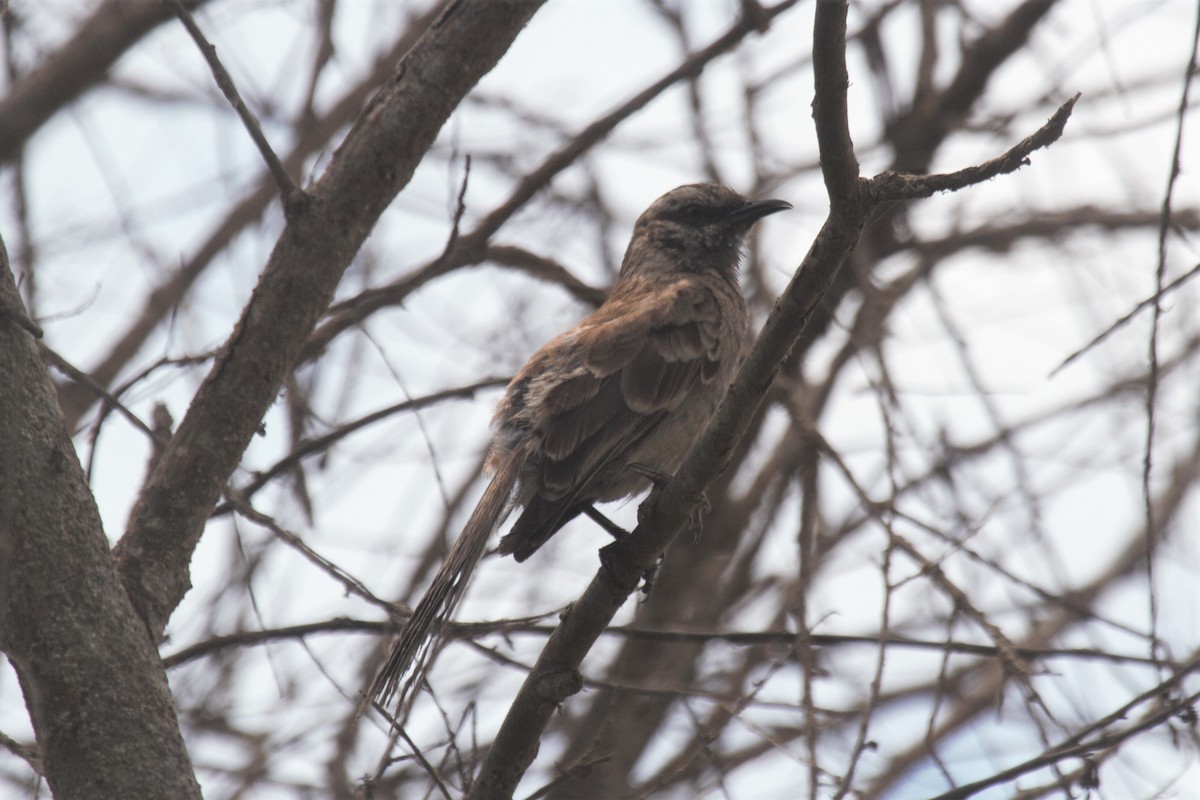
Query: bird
(601,410)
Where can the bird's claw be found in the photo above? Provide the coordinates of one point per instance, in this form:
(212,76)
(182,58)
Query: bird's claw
(696,518)
(608,554)
(658,480)
(647,585)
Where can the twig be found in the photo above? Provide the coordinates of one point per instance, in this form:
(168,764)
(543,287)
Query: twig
(420,757)
(1160,272)
(17,314)
(575,772)
(1075,747)
(29,754)
(74,373)
(460,208)
(831,118)
(397,732)
(293,196)
(1152,300)
(532,626)
(351,584)
(320,444)
(889,186)
(545,269)
(861,742)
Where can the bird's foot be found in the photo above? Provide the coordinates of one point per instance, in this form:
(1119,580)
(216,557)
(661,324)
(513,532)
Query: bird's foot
(608,554)
(658,479)
(645,582)
(696,518)
(647,585)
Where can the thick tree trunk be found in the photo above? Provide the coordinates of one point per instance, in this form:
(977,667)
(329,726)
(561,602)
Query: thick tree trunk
(93,681)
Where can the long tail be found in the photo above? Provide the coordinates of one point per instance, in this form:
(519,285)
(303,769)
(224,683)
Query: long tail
(411,649)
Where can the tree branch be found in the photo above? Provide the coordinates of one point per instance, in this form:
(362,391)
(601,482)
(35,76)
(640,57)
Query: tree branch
(471,247)
(166,297)
(373,164)
(291,194)
(555,676)
(94,686)
(1075,746)
(900,186)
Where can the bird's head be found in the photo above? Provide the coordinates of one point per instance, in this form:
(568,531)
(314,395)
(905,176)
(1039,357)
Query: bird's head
(697,227)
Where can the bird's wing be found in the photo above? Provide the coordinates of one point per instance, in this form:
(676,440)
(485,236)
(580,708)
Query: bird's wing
(630,363)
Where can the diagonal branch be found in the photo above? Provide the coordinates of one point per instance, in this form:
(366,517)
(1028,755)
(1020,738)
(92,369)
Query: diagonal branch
(471,247)
(1075,747)
(556,674)
(374,163)
(984,688)
(918,134)
(291,194)
(77,398)
(1124,319)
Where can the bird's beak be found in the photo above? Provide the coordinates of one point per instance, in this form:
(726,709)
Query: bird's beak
(757,209)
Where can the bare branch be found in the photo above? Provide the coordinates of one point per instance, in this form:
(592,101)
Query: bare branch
(1082,744)
(351,584)
(166,297)
(293,196)
(897,186)
(1152,382)
(321,444)
(546,269)
(472,247)
(372,165)
(1123,320)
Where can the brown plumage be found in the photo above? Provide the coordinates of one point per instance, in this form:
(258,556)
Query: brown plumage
(624,392)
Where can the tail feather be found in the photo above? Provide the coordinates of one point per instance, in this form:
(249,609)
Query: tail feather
(410,651)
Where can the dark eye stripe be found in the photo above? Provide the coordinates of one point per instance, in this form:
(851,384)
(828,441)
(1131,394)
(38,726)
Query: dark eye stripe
(692,214)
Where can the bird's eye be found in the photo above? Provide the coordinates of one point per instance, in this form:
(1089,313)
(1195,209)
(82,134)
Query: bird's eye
(694,214)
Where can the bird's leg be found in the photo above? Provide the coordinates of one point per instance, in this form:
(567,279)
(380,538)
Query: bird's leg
(611,528)
(658,479)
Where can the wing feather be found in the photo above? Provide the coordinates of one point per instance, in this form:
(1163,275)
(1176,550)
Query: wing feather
(621,371)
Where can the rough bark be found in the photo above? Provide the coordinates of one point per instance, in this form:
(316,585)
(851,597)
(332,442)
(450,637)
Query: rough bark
(93,683)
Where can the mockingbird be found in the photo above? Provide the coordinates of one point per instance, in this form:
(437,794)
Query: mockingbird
(616,399)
